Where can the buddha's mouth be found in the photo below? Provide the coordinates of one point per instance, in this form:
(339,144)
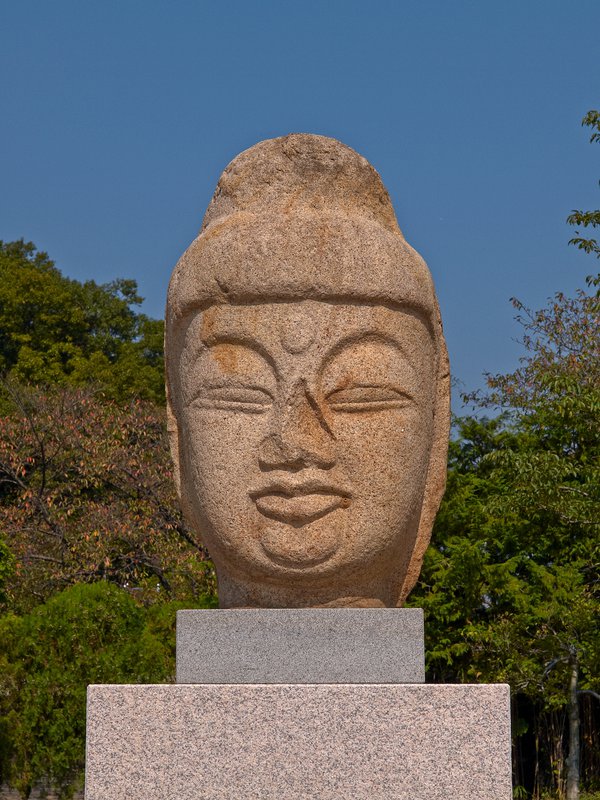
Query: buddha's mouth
(299,504)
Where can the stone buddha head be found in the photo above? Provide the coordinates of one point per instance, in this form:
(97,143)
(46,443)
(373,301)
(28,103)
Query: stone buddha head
(307,383)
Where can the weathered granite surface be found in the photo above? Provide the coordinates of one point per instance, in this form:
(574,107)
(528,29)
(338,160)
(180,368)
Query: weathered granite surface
(307,383)
(301,645)
(298,742)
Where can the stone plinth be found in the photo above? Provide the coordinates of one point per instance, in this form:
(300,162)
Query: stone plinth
(308,645)
(298,742)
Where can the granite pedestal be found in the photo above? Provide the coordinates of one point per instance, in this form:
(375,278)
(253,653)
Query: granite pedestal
(317,738)
(301,645)
(298,742)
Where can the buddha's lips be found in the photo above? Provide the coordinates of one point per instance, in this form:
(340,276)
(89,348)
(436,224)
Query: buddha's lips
(299,504)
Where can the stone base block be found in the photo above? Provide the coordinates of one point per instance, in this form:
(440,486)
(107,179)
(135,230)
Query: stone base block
(298,742)
(301,645)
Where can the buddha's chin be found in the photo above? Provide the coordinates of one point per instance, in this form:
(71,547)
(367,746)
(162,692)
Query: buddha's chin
(298,548)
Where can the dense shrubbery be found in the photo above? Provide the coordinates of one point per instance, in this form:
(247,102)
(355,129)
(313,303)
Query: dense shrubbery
(95,633)
(95,557)
(511,583)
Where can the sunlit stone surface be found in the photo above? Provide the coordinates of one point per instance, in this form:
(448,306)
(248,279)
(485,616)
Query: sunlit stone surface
(307,383)
(299,742)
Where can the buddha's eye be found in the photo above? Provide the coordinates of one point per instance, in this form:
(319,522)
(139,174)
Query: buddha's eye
(247,399)
(367,398)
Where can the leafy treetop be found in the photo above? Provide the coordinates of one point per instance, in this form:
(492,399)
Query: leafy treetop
(54,330)
(588,219)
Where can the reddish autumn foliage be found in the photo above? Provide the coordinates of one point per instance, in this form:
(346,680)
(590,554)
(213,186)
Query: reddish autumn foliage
(86,494)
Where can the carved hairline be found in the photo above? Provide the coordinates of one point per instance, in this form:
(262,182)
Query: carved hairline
(424,311)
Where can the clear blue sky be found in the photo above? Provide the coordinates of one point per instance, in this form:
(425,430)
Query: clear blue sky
(119,116)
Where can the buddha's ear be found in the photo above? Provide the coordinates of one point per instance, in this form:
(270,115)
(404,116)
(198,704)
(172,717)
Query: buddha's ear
(173,434)
(435,483)
(173,339)
(172,426)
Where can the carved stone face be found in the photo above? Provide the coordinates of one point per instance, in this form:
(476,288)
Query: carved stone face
(305,435)
(307,383)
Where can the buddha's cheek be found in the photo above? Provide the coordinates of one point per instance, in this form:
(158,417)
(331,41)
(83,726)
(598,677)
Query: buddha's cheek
(386,456)
(222,465)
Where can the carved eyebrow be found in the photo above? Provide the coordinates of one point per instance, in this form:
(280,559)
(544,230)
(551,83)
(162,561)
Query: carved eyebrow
(216,338)
(371,336)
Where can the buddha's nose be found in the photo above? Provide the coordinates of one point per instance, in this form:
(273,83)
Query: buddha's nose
(301,438)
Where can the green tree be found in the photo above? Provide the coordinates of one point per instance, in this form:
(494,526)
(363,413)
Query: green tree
(54,330)
(588,219)
(554,483)
(86,634)
(511,583)
(6,569)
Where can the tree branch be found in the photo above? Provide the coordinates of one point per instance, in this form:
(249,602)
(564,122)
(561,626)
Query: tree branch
(590,692)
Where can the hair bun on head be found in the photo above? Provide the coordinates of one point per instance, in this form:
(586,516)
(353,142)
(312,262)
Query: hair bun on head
(300,217)
(301,170)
